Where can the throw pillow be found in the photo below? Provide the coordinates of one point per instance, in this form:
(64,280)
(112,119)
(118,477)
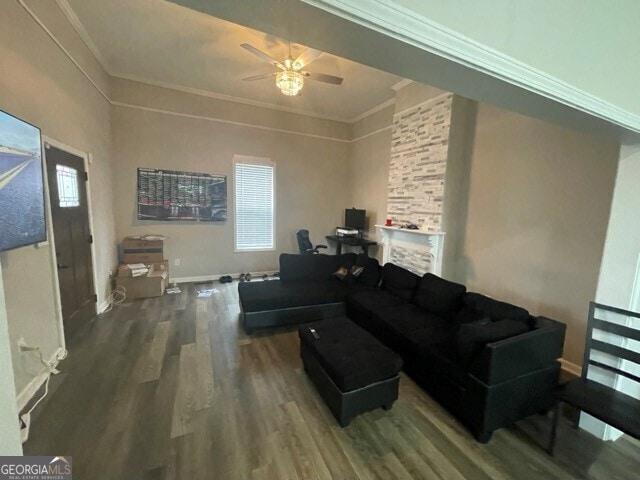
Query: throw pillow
(348,275)
(370,277)
(399,281)
(341,273)
(468,315)
(472,337)
(439,296)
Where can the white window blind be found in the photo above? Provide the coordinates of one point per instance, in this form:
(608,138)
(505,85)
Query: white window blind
(254,185)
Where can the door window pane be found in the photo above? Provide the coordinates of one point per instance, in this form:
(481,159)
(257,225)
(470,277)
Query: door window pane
(67,186)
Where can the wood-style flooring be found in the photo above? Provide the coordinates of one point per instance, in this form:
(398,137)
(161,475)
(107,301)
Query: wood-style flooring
(170,388)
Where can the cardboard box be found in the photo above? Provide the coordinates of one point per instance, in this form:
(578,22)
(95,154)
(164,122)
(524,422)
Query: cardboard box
(138,250)
(136,243)
(152,285)
(124,272)
(142,257)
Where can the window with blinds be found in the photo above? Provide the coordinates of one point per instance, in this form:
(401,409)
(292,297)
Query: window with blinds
(254,196)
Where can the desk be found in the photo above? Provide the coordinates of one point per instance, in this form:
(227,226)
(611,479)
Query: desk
(352,242)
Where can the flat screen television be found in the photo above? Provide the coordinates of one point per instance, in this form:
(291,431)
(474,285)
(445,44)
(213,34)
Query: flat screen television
(22,217)
(354,218)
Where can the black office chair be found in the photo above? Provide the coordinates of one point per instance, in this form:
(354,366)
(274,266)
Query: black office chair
(305,245)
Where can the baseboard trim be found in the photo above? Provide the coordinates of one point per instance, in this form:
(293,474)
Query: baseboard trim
(34,385)
(216,276)
(570,367)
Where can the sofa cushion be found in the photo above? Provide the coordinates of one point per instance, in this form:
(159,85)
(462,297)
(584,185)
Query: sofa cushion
(399,281)
(472,337)
(410,328)
(306,267)
(370,276)
(439,296)
(361,304)
(274,294)
(352,357)
(494,309)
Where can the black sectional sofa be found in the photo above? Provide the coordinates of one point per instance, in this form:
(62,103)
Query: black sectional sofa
(488,362)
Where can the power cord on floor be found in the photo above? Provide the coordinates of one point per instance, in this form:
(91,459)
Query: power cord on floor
(25,418)
(116,297)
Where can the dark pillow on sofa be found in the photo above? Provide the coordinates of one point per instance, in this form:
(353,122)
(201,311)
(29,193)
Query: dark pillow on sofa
(472,337)
(439,296)
(494,309)
(370,276)
(348,275)
(468,315)
(399,281)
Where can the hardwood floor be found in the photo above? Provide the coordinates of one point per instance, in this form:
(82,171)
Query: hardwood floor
(170,388)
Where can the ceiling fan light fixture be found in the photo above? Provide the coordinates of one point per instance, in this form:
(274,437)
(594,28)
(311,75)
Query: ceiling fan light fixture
(289,82)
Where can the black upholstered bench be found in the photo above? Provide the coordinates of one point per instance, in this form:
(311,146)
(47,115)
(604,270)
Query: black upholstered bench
(351,369)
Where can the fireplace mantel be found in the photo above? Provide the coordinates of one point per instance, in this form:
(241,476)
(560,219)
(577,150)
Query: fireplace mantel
(425,248)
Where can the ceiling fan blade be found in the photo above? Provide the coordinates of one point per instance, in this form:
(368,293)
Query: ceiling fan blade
(306,57)
(262,55)
(321,77)
(258,77)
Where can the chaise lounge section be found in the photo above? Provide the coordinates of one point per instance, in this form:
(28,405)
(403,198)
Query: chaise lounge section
(306,291)
(488,362)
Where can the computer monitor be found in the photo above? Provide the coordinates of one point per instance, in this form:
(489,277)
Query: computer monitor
(354,218)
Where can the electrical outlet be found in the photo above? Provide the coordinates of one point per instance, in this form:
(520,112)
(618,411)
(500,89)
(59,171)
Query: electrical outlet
(176,262)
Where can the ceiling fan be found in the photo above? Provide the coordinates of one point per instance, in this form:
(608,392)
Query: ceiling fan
(290,78)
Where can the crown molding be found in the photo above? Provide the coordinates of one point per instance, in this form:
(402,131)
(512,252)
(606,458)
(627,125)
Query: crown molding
(228,122)
(62,48)
(90,44)
(227,98)
(375,132)
(398,22)
(401,84)
(83,34)
(373,110)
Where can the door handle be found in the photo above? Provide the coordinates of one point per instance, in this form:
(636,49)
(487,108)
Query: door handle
(62,267)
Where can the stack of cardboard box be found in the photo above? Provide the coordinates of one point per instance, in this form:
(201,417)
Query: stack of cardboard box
(149,251)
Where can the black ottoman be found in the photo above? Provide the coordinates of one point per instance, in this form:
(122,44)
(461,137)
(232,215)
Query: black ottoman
(351,369)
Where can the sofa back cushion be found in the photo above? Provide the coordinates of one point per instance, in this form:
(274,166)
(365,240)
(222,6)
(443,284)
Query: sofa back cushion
(399,281)
(477,306)
(439,296)
(307,267)
(370,276)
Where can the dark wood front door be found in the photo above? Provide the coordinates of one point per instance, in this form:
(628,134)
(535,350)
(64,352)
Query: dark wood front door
(70,215)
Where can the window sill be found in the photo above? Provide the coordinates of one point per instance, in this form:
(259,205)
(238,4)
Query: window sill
(253,250)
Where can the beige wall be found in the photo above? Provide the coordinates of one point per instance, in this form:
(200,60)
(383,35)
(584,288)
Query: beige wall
(10,443)
(538,208)
(369,158)
(414,94)
(312,180)
(135,93)
(457,181)
(526,205)
(41,85)
(619,282)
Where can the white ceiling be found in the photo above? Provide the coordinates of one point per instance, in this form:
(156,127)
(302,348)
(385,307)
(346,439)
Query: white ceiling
(163,43)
